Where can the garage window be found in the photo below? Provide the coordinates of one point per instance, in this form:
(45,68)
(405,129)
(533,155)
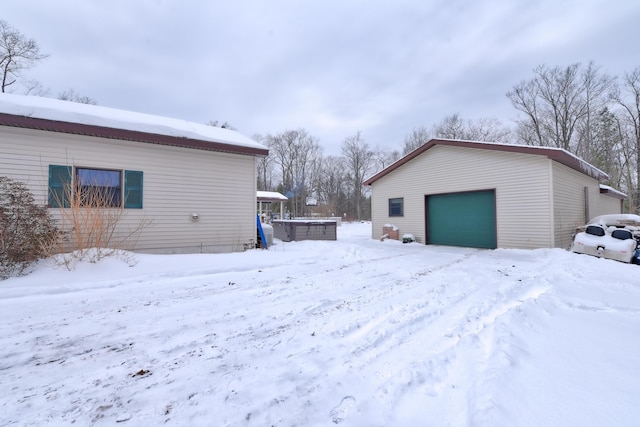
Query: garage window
(396,206)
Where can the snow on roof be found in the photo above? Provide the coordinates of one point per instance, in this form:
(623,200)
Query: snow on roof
(270,195)
(95,115)
(612,191)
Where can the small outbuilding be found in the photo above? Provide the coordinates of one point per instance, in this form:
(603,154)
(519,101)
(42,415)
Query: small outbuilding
(195,184)
(489,195)
(266,199)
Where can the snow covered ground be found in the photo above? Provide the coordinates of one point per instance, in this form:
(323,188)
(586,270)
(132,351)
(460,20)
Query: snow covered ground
(354,332)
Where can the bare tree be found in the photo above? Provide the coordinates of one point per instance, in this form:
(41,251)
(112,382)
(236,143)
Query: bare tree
(417,138)
(574,108)
(331,186)
(525,97)
(606,148)
(296,152)
(627,96)
(556,100)
(383,158)
(17,53)
(73,96)
(35,88)
(358,160)
(597,87)
(451,127)
(487,129)
(265,167)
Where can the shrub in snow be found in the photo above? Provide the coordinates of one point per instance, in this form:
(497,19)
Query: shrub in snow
(408,238)
(92,228)
(26,228)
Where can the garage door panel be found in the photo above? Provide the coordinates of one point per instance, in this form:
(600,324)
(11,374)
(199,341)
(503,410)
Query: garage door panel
(462,219)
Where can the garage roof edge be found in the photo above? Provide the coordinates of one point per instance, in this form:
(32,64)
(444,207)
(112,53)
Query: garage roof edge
(557,154)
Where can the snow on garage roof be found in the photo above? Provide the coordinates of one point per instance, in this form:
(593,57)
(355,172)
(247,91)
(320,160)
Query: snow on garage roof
(605,189)
(557,154)
(71,117)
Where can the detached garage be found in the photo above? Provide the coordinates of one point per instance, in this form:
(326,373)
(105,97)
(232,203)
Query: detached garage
(487,195)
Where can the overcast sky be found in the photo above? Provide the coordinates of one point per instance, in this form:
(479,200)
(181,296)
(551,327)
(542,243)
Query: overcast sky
(333,67)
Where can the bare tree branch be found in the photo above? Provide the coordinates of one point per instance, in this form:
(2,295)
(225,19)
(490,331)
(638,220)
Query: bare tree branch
(17,53)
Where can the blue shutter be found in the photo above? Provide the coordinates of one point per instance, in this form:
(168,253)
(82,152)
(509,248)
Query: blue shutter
(59,186)
(133,190)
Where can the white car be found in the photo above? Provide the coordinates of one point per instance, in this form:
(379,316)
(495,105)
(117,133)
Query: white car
(610,236)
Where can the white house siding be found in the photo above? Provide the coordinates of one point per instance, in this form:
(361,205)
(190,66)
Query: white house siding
(219,187)
(569,202)
(521,182)
(607,204)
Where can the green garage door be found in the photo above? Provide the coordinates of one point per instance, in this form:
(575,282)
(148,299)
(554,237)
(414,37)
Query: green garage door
(462,219)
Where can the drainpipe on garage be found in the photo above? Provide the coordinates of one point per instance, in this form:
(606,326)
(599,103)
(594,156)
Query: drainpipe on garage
(586,205)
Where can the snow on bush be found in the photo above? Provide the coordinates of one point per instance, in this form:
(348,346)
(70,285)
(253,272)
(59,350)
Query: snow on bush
(408,238)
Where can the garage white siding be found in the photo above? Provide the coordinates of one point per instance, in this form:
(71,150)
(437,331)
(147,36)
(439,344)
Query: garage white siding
(522,185)
(177,182)
(571,209)
(607,204)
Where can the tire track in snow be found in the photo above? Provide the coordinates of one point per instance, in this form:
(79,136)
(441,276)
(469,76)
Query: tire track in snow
(362,334)
(312,319)
(365,339)
(434,371)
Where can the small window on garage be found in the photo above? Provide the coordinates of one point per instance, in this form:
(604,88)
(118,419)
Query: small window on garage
(396,206)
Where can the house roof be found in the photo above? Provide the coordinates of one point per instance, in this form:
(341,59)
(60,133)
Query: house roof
(33,112)
(556,154)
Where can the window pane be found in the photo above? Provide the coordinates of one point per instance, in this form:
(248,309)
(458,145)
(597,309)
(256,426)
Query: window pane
(99,187)
(396,207)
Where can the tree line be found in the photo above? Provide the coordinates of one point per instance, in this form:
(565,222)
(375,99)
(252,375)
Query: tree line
(297,168)
(589,113)
(578,108)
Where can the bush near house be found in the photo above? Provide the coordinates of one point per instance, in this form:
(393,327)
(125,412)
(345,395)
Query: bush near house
(26,228)
(90,221)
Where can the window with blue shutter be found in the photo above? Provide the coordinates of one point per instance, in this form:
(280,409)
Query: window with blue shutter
(59,186)
(133,189)
(103,181)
